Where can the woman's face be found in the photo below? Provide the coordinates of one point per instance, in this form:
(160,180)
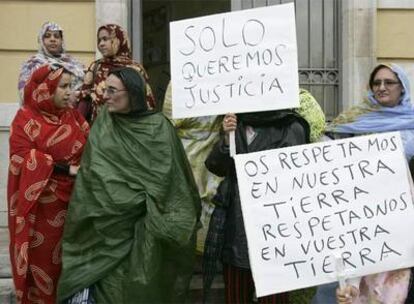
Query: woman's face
(387,88)
(61,98)
(105,43)
(116,95)
(53,41)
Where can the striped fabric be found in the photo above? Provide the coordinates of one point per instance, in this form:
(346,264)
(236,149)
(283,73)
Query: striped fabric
(213,248)
(239,288)
(82,297)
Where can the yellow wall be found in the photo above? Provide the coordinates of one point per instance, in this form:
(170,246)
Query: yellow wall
(395,35)
(20,22)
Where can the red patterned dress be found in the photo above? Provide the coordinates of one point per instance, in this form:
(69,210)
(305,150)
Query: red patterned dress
(41,136)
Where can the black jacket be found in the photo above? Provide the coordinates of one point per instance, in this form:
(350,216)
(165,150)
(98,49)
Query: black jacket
(273,130)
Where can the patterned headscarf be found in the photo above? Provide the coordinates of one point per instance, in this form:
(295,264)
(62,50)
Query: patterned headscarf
(40,89)
(372,117)
(94,84)
(53,27)
(121,46)
(44,57)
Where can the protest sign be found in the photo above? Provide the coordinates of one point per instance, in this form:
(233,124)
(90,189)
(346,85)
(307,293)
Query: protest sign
(304,205)
(242,61)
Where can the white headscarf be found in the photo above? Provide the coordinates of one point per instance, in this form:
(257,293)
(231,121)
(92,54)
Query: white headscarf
(44,57)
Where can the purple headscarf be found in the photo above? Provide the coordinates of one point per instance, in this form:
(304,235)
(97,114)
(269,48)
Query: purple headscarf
(44,57)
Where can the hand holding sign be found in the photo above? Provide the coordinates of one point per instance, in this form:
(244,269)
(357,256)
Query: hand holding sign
(347,294)
(229,128)
(229,125)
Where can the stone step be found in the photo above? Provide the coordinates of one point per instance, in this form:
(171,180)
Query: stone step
(7,295)
(5,271)
(7,291)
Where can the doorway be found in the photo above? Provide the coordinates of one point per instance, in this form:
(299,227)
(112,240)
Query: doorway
(156,16)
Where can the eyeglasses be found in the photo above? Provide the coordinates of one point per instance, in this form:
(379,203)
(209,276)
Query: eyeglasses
(111,91)
(388,83)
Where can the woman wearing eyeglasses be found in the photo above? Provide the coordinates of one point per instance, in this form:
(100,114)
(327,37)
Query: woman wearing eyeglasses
(387,108)
(131,225)
(114,45)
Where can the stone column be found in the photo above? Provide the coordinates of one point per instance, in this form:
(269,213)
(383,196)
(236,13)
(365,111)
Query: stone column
(358,48)
(136,30)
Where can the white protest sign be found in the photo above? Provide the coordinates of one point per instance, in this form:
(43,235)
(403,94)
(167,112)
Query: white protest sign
(242,61)
(303,205)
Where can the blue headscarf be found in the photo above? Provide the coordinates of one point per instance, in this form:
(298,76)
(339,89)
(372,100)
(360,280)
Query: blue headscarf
(371,117)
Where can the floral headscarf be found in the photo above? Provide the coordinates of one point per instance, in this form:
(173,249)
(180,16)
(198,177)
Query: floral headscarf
(53,27)
(44,57)
(91,98)
(40,89)
(121,46)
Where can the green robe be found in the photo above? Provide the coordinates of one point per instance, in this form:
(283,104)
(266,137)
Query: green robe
(131,224)
(198,135)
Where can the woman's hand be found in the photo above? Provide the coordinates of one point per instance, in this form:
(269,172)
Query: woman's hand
(229,124)
(73,170)
(346,295)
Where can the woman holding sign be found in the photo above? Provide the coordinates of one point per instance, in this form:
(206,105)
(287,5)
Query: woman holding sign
(254,132)
(387,108)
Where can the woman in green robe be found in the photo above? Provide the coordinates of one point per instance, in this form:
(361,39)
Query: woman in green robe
(130,229)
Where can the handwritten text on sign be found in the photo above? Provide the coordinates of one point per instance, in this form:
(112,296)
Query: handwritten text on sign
(241,61)
(302,205)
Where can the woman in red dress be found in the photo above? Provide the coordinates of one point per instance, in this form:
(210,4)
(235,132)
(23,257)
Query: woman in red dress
(46,142)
